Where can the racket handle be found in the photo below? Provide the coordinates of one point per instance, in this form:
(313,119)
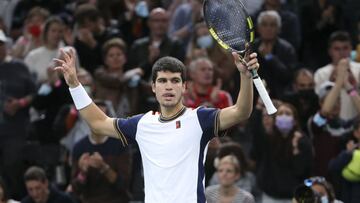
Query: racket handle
(270,108)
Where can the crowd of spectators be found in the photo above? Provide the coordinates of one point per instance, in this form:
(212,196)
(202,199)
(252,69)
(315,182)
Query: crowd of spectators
(309,55)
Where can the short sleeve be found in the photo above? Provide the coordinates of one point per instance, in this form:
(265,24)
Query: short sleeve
(209,121)
(126,128)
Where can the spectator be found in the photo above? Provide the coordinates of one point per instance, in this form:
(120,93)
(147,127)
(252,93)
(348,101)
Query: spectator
(113,83)
(346,165)
(201,91)
(39,189)
(16,94)
(319,18)
(339,48)
(4,196)
(101,168)
(145,51)
(203,45)
(228,170)
(323,188)
(303,96)
(31,38)
(327,129)
(183,20)
(290,24)
(281,151)
(275,54)
(246,180)
(39,60)
(91,34)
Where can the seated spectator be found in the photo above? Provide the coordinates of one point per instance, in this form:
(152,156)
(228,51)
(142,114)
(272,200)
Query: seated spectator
(228,170)
(39,189)
(340,48)
(91,34)
(201,91)
(246,180)
(40,60)
(303,96)
(113,83)
(327,128)
(275,54)
(17,90)
(346,165)
(323,188)
(4,195)
(31,37)
(203,45)
(281,151)
(101,168)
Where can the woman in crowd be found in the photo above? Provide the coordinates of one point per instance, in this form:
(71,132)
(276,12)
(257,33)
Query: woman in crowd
(281,151)
(112,83)
(228,170)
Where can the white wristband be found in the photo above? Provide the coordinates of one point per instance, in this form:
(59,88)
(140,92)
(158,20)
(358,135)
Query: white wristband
(80,97)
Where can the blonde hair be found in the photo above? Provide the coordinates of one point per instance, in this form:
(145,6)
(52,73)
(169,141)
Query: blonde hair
(230,159)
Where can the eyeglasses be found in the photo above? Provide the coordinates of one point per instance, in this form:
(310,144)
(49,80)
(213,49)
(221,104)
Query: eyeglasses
(316,179)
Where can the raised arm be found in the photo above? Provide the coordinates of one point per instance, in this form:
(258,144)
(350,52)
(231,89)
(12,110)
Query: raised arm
(98,121)
(242,109)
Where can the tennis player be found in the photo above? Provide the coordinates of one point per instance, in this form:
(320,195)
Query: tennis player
(173,143)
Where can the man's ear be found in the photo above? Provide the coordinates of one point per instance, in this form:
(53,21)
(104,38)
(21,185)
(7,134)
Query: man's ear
(153,87)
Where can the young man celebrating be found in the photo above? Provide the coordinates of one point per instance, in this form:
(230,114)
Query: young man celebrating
(173,142)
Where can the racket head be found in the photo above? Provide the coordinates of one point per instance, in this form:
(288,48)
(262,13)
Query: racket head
(229,24)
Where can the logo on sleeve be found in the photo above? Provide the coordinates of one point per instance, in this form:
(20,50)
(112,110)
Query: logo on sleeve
(178,124)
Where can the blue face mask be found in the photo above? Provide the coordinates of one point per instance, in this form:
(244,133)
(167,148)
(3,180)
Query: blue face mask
(284,123)
(324,199)
(205,41)
(141,9)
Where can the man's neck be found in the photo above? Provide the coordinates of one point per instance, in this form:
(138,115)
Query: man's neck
(168,112)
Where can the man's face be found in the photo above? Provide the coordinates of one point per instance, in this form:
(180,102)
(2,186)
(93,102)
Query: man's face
(304,82)
(158,22)
(339,50)
(268,29)
(54,34)
(203,73)
(168,88)
(37,190)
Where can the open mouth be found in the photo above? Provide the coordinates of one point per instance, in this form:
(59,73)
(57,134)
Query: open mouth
(168,96)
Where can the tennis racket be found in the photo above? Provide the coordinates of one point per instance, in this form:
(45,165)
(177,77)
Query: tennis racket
(232,28)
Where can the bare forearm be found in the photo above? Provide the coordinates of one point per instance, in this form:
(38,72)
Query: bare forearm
(243,107)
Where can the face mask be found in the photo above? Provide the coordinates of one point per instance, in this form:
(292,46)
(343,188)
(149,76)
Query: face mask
(204,42)
(141,9)
(307,93)
(284,123)
(324,199)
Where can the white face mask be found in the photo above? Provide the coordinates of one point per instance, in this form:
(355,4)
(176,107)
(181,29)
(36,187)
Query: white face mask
(141,9)
(205,41)
(324,199)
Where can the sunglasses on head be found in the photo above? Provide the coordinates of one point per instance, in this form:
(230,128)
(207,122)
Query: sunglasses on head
(313,180)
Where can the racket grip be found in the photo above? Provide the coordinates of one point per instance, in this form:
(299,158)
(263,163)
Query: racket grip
(270,108)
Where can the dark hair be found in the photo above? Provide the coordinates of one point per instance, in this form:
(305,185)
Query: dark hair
(48,23)
(233,148)
(114,42)
(171,64)
(304,194)
(35,173)
(4,188)
(341,36)
(86,12)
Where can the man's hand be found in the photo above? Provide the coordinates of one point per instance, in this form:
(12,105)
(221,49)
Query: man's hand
(66,64)
(245,67)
